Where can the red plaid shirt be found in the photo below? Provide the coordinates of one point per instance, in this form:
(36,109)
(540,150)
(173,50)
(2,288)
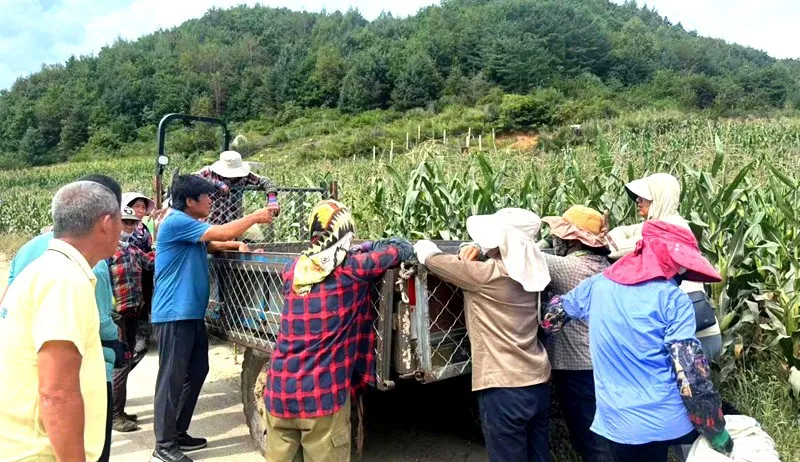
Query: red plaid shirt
(326,345)
(126,268)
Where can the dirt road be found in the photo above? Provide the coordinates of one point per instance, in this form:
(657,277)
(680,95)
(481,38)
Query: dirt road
(219,418)
(418,424)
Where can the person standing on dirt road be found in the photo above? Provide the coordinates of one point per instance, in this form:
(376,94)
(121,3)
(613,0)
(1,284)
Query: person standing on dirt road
(324,353)
(54,404)
(510,371)
(112,348)
(579,252)
(180,300)
(142,238)
(126,267)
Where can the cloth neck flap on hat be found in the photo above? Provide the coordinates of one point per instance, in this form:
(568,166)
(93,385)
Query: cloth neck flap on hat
(524,260)
(332,231)
(655,257)
(666,191)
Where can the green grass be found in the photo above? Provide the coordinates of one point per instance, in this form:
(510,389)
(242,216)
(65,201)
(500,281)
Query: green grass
(760,390)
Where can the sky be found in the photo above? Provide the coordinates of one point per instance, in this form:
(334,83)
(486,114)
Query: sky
(36,32)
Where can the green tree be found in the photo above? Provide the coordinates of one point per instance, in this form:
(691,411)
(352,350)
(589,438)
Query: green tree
(325,82)
(418,84)
(366,85)
(634,54)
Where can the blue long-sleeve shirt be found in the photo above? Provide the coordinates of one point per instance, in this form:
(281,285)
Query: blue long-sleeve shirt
(34,249)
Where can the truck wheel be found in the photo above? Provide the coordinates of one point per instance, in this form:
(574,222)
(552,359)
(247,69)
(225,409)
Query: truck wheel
(254,378)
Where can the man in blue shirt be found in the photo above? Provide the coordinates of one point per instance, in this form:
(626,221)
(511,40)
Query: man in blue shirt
(180,300)
(652,379)
(109,335)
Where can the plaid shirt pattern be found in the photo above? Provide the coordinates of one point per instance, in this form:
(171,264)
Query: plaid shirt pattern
(568,349)
(229,207)
(125,268)
(326,344)
(142,238)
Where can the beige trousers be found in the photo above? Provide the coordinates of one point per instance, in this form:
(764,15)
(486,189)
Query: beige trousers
(321,439)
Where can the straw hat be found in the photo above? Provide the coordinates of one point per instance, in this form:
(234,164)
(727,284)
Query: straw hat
(230,165)
(513,232)
(578,223)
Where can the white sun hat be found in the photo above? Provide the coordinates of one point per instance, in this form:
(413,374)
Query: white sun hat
(230,165)
(129,197)
(513,232)
(639,188)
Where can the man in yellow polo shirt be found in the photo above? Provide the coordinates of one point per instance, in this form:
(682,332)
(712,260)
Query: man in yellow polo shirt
(53,402)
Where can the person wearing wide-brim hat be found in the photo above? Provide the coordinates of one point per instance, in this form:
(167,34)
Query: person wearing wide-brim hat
(579,252)
(230,174)
(142,206)
(510,370)
(653,380)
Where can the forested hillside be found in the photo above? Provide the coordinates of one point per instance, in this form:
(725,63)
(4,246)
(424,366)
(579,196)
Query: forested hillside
(528,63)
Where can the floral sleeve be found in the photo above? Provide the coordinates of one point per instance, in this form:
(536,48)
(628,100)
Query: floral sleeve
(554,316)
(702,402)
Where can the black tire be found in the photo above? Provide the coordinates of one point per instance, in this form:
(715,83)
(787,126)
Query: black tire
(254,373)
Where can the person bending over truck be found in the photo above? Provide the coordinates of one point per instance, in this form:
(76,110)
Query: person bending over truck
(510,369)
(179,305)
(653,379)
(325,348)
(579,252)
(229,175)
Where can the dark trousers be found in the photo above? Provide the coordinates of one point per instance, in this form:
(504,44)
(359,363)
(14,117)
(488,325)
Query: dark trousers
(575,392)
(128,328)
(516,423)
(655,451)
(182,369)
(105,456)
(142,343)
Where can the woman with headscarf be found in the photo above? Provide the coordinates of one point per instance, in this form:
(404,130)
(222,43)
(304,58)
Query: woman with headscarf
(324,352)
(653,381)
(657,198)
(510,370)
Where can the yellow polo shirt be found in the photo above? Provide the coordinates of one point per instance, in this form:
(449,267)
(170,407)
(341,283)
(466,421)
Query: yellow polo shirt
(52,299)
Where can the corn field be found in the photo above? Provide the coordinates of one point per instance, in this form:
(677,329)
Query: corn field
(740,192)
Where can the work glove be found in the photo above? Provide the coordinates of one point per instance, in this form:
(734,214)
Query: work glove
(363,247)
(403,247)
(722,442)
(425,249)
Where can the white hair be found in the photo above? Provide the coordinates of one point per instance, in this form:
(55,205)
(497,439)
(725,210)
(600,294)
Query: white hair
(78,206)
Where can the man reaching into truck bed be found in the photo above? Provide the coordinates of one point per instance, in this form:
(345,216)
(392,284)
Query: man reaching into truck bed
(179,306)
(325,349)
